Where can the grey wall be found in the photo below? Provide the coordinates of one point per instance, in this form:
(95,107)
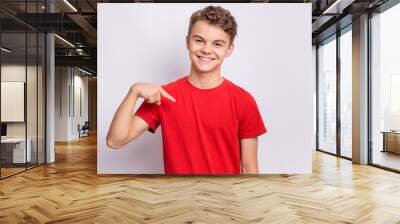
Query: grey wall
(272,60)
(70,83)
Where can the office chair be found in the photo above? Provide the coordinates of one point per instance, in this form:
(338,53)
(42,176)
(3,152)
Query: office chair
(84,130)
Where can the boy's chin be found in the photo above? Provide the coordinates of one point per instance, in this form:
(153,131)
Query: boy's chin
(204,70)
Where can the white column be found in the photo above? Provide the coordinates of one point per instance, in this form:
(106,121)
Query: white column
(50,91)
(360,90)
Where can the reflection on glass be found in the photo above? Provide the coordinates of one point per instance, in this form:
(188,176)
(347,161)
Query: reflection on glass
(31,101)
(395,101)
(346,93)
(14,153)
(327,96)
(386,89)
(22,90)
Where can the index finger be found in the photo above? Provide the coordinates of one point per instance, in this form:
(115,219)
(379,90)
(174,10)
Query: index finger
(166,95)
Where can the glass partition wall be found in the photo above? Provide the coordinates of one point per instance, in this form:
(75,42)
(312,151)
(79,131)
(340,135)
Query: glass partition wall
(335,94)
(334,75)
(22,88)
(345,62)
(385,89)
(13,88)
(327,95)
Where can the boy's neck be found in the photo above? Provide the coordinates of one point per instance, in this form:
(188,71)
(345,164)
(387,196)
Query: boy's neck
(205,80)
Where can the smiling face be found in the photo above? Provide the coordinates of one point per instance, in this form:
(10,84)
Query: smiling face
(208,46)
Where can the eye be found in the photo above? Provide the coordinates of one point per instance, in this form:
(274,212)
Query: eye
(198,40)
(219,44)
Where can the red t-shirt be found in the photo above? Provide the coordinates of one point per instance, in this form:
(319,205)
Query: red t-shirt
(201,131)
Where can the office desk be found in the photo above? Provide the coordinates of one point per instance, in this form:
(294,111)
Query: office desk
(13,150)
(391,141)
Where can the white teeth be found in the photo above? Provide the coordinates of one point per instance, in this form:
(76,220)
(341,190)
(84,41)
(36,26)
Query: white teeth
(205,59)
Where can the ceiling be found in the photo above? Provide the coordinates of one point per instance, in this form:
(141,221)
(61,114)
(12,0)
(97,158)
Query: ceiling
(76,22)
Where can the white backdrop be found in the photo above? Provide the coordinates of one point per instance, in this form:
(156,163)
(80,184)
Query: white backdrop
(272,60)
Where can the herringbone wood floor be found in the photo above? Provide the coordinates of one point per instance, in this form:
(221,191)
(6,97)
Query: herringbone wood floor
(70,191)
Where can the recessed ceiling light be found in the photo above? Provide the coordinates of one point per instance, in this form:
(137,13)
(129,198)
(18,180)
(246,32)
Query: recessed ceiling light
(64,40)
(337,7)
(5,50)
(70,5)
(84,71)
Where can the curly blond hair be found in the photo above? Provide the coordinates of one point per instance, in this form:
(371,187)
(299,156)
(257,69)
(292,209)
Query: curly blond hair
(216,15)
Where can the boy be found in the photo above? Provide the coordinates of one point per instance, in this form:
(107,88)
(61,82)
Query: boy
(209,125)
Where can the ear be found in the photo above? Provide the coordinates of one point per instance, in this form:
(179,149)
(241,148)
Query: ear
(187,42)
(230,50)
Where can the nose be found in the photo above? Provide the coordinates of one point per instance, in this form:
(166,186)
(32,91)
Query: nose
(206,49)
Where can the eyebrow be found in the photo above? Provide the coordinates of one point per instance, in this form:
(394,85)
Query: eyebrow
(198,36)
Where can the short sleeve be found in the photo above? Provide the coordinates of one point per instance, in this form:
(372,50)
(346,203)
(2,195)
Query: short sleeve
(250,121)
(149,112)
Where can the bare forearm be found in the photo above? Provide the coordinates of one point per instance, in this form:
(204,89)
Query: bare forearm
(125,126)
(249,155)
(250,168)
(122,121)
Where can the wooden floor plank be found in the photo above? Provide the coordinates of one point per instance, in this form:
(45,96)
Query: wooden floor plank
(70,191)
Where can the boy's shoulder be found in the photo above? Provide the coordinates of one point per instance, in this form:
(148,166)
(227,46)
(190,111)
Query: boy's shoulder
(173,85)
(242,97)
(238,90)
